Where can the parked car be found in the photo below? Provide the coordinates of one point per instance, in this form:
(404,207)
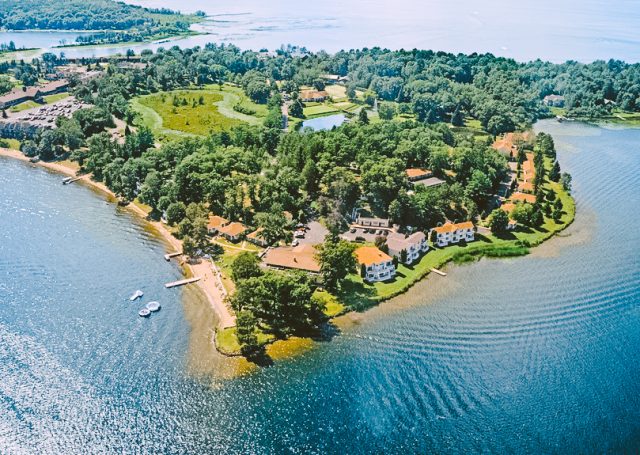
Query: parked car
(352,230)
(295,242)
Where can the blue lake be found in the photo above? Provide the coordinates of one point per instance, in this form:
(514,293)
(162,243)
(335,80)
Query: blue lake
(539,354)
(324,123)
(556,30)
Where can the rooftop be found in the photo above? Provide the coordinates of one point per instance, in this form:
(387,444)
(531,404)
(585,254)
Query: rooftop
(301,257)
(216,222)
(530,198)
(416,173)
(369,255)
(233,229)
(452,227)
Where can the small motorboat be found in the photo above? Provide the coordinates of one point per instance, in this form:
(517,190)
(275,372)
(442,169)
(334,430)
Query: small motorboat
(144,313)
(136,295)
(153,306)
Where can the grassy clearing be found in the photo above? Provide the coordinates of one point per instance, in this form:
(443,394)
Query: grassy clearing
(216,112)
(57,97)
(182,110)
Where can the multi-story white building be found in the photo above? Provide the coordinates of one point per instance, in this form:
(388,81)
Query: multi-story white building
(374,264)
(414,245)
(454,233)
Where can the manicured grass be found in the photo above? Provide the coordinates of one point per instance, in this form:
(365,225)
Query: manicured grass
(24,106)
(57,97)
(337,92)
(319,110)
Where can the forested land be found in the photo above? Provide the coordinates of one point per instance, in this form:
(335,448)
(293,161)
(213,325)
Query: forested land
(119,21)
(256,174)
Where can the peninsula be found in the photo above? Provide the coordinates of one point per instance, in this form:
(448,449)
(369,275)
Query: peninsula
(433,161)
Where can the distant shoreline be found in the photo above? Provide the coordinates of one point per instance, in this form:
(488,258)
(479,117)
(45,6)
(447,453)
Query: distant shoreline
(207,284)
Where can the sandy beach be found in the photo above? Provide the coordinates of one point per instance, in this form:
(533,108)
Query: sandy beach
(209,280)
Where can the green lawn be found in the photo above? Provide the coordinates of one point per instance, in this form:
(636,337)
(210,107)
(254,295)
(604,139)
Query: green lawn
(318,110)
(227,341)
(57,97)
(24,106)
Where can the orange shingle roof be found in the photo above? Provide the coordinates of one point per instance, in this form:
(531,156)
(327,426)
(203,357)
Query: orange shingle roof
(413,173)
(216,222)
(301,257)
(369,255)
(452,227)
(233,229)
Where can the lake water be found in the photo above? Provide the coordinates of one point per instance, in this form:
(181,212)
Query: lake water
(555,30)
(539,354)
(324,123)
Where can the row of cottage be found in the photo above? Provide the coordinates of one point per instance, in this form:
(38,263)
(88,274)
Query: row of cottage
(375,264)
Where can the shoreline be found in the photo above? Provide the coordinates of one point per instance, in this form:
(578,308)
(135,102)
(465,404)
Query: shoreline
(207,283)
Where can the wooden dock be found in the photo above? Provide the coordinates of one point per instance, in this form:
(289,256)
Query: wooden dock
(174,284)
(167,257)
(439,272)
(69,181)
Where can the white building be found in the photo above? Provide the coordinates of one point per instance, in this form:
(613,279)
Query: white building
(415,245)
(454,233)
(372,222)
(374,264)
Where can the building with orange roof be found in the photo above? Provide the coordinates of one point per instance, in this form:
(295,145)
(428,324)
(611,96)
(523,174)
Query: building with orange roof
(454,233)
(313,96)
(524,197)
(301,257)
(414,174)
(233,231)
(215,223)
(375,265)
(257,238)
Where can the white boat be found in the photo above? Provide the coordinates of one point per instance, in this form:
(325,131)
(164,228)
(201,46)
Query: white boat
(153,306)
(144,313)
(136,295)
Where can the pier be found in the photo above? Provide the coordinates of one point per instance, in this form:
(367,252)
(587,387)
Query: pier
(69,180)
(167,257)
(174,284)
(439,272)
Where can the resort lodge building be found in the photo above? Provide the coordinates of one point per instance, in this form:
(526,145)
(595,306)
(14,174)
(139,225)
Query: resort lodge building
(215,223)
(413,245)
(374,264)
(454,233)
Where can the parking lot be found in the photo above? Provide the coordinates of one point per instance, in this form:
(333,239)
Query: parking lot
(315,234)
(369,236)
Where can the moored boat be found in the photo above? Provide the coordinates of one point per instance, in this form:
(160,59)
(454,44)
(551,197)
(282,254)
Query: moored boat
(144,313)
(153,306)
(136,295)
